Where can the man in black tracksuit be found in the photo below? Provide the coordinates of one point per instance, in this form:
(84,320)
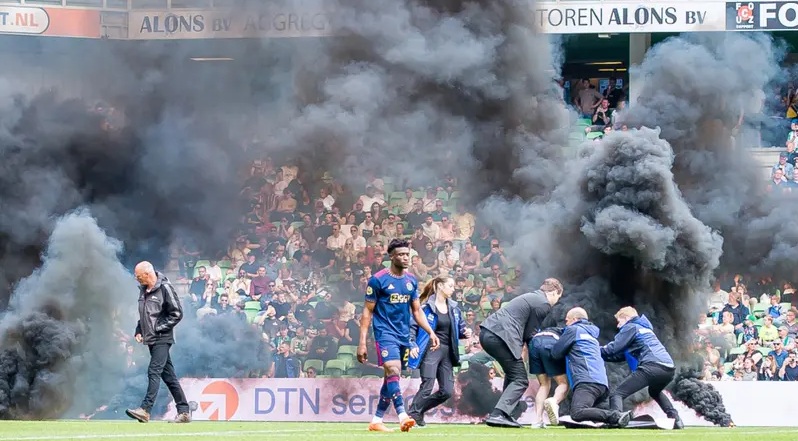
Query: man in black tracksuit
(159,313)
(649,361)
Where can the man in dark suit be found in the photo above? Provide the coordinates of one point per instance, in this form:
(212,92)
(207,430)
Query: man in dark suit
(503,336)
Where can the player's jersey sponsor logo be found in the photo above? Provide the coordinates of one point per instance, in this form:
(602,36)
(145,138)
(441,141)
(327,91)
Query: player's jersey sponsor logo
(399,298)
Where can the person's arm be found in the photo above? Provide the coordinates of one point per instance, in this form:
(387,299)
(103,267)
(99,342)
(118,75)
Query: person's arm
(172,309)
(421,319)
(614,350)
(414,331)
(372,290)
(461,331)
(137,333)
(563,345)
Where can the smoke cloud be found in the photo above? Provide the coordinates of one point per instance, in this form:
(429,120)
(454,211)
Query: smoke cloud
(416,90)
(688,388)
(57,318)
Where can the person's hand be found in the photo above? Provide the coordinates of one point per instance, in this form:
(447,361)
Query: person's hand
(467,333)
(434,342)
(362,353)
(414,352)
(139,338)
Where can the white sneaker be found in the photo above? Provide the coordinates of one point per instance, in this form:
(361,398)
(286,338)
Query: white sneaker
(539,425)
(552,410)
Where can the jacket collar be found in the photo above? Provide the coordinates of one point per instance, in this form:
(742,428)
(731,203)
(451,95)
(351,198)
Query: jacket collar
(431,302)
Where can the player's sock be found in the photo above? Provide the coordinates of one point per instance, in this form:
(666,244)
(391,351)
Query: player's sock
(383,404)
(395,392)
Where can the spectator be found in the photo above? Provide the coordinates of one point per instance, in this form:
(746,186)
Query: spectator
(261,285)
(323,347)
(785,167)
(779,354)
(250,268)
(789,370)
(285,365)
(739,312)
(768,333)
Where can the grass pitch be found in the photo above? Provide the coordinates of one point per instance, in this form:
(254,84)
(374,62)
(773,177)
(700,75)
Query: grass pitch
(253,431)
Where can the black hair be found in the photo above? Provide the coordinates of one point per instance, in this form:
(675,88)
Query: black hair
(397,243)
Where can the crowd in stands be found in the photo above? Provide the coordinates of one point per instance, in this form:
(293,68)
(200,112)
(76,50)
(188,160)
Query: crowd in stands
(307,246)
(749,335)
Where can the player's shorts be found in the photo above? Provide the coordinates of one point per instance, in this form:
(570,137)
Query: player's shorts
(391,351)
(540,359)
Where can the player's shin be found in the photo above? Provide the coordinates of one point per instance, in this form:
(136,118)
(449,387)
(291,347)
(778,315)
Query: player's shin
(383,403)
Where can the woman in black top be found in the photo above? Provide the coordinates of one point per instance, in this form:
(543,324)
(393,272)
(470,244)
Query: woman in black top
(445,317)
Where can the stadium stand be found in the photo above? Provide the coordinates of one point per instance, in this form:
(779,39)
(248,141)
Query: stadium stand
(306,248)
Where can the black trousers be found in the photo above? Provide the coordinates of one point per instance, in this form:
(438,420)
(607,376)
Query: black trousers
(515,377)
(435,365)
(590,402)
(161,368)
(656,377)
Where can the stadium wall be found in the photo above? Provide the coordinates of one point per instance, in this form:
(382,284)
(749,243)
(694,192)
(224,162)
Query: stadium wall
(354,400)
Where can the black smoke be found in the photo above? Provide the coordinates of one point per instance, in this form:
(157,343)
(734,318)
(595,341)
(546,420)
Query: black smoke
(700,396)
(56,339)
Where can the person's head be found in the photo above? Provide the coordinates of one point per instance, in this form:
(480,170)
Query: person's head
(783,331)
(224,300)
(399,251)
(574,315)
(311,372)
(440,286)
(768,321)
(261,271)
(728,317)
(625,314)
(553,290)
(792,360)
(777,346)
(791,315)
(748,364)
(285,348)
(145,274)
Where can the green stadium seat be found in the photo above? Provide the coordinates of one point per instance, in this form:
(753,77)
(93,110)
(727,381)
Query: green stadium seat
(462,349)
(386,264)
(418,194)
(584,122)
(335,368)
(594,135)
(225,264)
(785,306)
(463,365)
(296,225)
(388,188)
(315,364)
(252,306)
(353,371)
(442,195)
(347,352)
(764,350)
(251,315)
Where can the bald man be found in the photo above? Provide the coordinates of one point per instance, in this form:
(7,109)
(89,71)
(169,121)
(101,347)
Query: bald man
(580,348)
(159,313)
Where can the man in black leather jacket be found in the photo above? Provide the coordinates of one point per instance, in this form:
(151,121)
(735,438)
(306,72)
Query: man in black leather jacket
(159,313)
